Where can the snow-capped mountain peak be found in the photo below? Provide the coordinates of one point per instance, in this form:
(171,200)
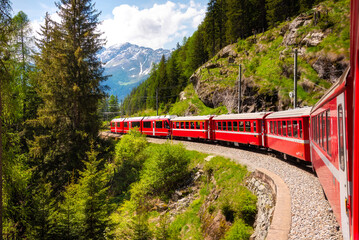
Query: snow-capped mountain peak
(129,65)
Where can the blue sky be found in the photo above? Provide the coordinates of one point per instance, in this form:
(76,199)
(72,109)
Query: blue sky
(149,23)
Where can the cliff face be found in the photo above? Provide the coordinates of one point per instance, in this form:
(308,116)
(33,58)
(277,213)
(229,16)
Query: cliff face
(321,37)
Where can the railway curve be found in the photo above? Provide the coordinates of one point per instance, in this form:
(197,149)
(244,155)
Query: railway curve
(312,216)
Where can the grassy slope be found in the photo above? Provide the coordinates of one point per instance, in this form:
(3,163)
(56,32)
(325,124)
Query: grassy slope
(188,225)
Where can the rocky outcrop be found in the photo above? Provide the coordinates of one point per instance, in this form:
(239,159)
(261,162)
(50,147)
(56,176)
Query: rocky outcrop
(265,207)
(330,67)
(291,35)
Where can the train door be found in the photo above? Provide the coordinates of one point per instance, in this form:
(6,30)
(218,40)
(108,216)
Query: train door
(153,128)
(343,171)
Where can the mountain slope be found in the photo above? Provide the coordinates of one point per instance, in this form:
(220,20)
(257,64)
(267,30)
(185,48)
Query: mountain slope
(267,62)
(128,65)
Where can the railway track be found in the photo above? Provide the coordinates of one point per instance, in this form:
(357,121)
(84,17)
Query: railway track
(312,216)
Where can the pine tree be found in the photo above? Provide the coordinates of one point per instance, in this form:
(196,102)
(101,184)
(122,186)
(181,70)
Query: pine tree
(69,86)
(93,183)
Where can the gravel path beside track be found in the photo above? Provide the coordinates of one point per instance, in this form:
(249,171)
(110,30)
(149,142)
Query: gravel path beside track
(312,217)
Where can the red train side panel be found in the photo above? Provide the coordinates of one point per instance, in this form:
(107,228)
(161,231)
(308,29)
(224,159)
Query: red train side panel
(130,123)
(353,116)
(192,127)
(117,125)
(239,128)
(288,132)
(156,126)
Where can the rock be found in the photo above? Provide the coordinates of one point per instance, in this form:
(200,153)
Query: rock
(290,38)
(227,51)
(313,39)
(330,68)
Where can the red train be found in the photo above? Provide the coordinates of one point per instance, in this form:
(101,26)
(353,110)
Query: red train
(327,135)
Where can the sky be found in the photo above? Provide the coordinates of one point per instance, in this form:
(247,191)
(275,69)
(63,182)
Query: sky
(149,23)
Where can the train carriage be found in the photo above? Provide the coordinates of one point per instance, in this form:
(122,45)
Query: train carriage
(239,128)
(130,123)
(117,125)
(192,127)
(288,132)
(157,126)
(329,149)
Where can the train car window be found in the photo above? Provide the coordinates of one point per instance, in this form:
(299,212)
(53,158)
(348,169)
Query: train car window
(271,127)
(147,124)
(241,127)
(167,126)
(192,125)
(177,124)
(248,126)
(229,126)
(300,129)
(125,124)
(279,128)
(295,128)
(255,126)
(158,124)
(187,125)
(182,125)
(328,133)
(341,137)
(275,127)
(224,126)
(235,126)
(284,123)
(289,128)
(198,126)
(220,125)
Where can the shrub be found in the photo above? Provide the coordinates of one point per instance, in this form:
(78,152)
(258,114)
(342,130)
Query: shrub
(165,168)
(238,231)
(129,159)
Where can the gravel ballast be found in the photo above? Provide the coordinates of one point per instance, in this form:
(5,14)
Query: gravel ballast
(312,216)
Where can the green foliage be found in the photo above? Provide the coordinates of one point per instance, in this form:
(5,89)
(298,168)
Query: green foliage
(164,170)
(235,202)
(194,105)
(68,82)
(128,162)
(239,231)
(83,214)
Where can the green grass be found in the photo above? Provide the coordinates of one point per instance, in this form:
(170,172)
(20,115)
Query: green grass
(194,105)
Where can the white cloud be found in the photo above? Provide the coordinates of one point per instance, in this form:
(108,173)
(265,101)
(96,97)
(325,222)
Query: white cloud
(153,27)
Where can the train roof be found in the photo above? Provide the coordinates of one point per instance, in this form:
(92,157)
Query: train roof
(160,117)
(192,118)
(258,115)
(133,119)
(118,120)
(298,112)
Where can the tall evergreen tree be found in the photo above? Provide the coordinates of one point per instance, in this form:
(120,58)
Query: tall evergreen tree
(5,9)
(69,85)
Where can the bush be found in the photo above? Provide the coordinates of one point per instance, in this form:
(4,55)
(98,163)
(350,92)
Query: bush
(129,159)
(238,231)
(165,168)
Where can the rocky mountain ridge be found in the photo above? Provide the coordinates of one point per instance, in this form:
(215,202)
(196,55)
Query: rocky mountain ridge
(128,65)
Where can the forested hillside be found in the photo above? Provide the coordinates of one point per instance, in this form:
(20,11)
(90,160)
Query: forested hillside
(260,35)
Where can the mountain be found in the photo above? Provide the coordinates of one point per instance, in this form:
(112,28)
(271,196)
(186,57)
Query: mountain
(128,65)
